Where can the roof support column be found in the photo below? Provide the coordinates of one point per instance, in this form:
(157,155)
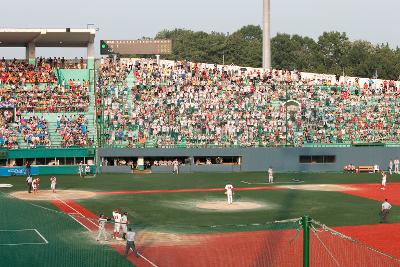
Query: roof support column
(266,35)
(90,55)
(31,53)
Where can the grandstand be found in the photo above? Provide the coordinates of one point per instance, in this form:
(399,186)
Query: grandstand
(48,103)
(142,115)
(197,112)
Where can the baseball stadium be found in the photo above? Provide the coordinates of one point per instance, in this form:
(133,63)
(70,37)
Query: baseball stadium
(198,149)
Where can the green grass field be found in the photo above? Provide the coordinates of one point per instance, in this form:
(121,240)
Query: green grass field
(70,245)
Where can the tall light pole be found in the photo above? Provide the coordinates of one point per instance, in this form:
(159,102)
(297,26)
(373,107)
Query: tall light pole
(266,35)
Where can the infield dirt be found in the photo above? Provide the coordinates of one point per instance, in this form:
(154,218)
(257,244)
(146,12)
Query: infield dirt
(49,195)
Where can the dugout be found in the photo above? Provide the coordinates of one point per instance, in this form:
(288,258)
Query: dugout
(46,160)
(281,159)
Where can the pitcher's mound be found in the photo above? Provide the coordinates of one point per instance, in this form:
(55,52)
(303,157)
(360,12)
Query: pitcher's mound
(49,195)
(224,206)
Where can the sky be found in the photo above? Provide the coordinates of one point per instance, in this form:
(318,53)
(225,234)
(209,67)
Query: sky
(375,21)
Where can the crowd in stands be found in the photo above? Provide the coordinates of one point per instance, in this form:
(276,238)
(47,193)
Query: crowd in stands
(8,138)
(34,131)
(48,98)
(183,102)
(62,63)
(35,87)
(193,104)
(73,131)
(20,72)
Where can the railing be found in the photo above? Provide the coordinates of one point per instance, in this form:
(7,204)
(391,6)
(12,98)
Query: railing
(254,145)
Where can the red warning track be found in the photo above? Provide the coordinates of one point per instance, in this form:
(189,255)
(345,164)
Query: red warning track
(374,191)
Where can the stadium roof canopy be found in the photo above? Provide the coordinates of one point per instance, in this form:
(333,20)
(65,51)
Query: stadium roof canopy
(66,37)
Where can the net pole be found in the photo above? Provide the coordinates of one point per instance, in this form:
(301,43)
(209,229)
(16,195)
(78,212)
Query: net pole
(306,240)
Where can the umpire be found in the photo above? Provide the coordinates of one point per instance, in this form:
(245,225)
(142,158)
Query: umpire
(130,243)
(29,183)
(385,211)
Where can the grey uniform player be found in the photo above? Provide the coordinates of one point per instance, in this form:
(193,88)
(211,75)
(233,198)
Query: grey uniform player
(124,224)
(81,169)
(270,175)
(102,228)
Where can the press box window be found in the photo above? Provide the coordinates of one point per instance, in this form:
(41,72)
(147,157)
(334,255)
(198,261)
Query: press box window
(317,159)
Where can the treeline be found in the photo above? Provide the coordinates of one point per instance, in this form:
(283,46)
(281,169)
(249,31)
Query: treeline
(331,53)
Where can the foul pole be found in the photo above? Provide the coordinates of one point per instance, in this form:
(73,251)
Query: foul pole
(266,35)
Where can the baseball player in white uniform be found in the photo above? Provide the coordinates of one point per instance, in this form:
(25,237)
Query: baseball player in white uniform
(383,180)
(35,185)
(229,192)
(396,166)
(87,170)
(117,223)
(53,182)
(124,224)
(176,166)
(390,167)
(102,228)
(270,175)
(80,169)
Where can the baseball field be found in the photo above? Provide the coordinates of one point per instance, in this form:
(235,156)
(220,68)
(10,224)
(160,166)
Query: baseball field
(184,220)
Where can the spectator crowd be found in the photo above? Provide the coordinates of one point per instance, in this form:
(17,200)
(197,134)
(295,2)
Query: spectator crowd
(200,104)
(73,131)
(34,131)
(196,104)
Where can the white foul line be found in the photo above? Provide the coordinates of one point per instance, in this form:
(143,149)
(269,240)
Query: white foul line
(79,222)
(151,263)
(76,211)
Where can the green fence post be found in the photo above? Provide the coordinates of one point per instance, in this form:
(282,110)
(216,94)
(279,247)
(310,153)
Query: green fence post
(305,220)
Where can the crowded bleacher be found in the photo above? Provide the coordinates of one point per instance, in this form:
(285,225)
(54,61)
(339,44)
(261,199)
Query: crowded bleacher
(202,105)
(34,131)
(30,89)
(188,104)
(73,130)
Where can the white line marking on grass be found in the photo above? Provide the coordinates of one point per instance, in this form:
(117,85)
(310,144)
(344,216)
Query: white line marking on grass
(151,263)
(18,230)
(25,243)
(19,244)
(80,223)
(45,240)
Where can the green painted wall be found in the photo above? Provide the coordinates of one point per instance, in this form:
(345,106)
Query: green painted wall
(74,74)
(71,169)
(48,153)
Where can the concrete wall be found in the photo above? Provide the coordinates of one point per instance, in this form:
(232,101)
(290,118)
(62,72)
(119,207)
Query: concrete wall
(116,169)
(187,168)
(281,159)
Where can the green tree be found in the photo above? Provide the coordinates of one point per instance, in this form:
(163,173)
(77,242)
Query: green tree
(332,53)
